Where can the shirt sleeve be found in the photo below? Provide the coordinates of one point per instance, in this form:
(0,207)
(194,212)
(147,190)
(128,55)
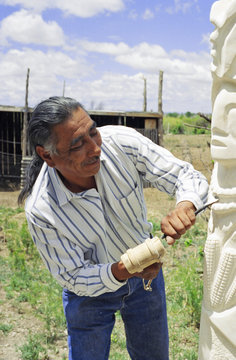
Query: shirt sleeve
(66,262)
(163,170)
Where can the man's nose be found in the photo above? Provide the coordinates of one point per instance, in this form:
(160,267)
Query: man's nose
(93,147)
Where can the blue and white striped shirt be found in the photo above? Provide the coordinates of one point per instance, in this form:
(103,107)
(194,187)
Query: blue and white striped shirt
(79,235)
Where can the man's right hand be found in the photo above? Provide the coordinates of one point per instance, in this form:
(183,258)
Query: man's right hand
(120,272)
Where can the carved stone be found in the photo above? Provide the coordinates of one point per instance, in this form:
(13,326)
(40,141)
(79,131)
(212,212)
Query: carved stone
(218,319)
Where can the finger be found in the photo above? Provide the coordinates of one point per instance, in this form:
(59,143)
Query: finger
(187,217)
(177,222)
(151,271)
(178,226)
(183,220)
(170,230)
(169,224)
(170,240)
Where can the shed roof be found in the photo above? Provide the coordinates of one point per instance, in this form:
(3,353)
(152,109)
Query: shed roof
(142,114)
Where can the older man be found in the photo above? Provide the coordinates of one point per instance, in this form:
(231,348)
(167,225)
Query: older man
(85,207)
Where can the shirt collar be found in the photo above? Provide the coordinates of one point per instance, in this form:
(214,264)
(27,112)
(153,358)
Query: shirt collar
(63,194)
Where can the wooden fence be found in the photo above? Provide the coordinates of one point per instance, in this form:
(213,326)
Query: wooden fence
(10,146)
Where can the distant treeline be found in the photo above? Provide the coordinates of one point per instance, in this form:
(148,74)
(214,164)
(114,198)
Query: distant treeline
(185,123)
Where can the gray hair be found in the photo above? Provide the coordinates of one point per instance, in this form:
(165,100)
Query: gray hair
(45,116)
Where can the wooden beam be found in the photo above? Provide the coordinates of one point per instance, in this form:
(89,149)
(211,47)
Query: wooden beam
(145,94)
(160,110)
(25,123)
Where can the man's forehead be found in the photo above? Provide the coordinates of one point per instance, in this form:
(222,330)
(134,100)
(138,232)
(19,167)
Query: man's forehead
(74,127)
(82,118)
(83,131)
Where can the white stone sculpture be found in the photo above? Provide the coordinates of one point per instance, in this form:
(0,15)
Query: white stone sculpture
(218,319)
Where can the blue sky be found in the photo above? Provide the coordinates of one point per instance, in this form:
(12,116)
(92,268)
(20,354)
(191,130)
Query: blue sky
(102,50)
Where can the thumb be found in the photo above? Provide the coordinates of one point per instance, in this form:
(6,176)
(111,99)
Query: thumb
(170,240)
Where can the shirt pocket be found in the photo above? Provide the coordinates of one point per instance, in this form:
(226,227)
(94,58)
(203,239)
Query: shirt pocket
(131,208)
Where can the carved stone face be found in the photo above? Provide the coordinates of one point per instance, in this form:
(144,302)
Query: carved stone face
(223,146)
(223,38)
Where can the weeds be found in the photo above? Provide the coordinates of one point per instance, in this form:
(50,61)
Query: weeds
(5,328)
(30,282)
(32,349)
(26,280)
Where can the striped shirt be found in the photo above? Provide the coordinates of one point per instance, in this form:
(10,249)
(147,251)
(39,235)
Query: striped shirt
(79,235)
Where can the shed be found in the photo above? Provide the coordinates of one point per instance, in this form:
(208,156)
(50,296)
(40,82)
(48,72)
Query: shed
(11,143)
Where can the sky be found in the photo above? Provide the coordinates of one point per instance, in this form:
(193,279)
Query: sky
(100,51)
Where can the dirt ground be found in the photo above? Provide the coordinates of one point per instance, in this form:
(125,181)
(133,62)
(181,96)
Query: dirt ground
(194,149)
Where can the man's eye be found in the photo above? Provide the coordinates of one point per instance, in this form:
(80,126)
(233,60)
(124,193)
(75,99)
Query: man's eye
(94,132)
(77,147)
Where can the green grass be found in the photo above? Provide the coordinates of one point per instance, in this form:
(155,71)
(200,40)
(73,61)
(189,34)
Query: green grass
(5,328)
(33,349)
(183,270)
(25,280)
(177,124)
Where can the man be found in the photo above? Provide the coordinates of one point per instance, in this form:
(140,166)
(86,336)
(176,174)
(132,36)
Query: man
(85,207)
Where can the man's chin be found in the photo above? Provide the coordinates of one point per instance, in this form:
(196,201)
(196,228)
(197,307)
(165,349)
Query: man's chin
(93,167)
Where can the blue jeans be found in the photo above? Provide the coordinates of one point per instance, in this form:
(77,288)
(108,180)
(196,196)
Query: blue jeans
(90,321)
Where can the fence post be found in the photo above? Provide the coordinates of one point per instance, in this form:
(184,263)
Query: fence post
(24,132)
(160,111)
(25,123)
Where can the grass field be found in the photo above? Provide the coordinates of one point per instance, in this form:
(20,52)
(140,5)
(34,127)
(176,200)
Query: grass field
(32,324)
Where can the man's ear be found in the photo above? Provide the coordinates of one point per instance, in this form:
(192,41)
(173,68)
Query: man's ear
(45,156)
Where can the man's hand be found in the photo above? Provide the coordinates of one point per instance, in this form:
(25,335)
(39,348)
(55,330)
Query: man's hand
(178,221)
(120,272)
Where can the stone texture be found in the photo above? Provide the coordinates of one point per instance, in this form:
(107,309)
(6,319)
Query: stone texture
(218,319)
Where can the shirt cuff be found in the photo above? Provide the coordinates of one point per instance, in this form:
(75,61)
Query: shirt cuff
(193,197)
(109,280)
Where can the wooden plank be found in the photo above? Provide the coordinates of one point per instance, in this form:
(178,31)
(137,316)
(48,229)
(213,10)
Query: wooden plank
(25,124)
(160,123)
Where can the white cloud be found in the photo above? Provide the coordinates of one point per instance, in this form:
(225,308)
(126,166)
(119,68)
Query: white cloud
(158,8)
(206,40)
(187,77)
(27,4)
(133,14)
(81,8)
(29,28)
(117,91)
(143,49)
(105,47)
(47,73)
(151,58)
(125,92)
(148,14)
(89,8)
(181,6)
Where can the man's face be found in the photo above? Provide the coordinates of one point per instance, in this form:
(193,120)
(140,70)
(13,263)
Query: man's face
(78,148)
